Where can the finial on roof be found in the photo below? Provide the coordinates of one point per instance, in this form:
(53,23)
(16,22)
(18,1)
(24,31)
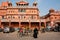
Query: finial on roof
(8,1)
(24,0)
(22,3)
(35,3)
(21,0)
(51,10)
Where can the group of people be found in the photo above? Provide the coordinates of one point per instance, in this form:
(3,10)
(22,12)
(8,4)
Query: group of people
(55,28)
(23,31)
(35,32)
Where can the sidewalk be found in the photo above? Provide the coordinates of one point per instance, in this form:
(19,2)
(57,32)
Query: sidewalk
(41,36)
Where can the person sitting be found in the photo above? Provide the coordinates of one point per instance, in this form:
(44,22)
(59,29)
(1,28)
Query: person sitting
(48,27)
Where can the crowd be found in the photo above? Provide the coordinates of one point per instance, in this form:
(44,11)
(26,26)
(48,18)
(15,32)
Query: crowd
(48,28)
(26,31)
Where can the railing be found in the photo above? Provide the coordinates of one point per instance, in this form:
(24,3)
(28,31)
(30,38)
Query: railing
(48,19)
(34,20)
(4,20)
(19,20)
(22,7)
(42,20)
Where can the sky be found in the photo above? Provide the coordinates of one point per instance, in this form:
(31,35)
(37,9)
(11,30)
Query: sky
(43,5)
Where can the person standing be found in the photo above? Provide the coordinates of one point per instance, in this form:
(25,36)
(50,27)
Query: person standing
(43,29)
(35,32)
(49,27)
(59,28)
(56,28)
(21,32)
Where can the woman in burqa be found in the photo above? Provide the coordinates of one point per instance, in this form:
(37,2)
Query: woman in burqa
(35,33)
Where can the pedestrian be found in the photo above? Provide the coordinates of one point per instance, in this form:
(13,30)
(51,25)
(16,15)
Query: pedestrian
(56,28)
(49,27)
(27,31)
(35,32)
(59,28)
(21,32)
(43,29)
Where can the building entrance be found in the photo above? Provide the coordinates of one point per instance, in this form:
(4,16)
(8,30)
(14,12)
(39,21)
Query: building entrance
(58,23)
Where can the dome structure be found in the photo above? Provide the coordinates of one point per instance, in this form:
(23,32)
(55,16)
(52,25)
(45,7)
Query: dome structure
(22,3)
(35,3)
(51,10)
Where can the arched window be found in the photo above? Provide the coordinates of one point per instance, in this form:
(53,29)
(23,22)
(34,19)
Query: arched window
(9,17)
(13,17)
(32,17)
(19,17)
(21,10)
(55,17)
(2,17)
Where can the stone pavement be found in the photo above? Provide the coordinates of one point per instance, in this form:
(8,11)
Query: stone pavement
(41,36)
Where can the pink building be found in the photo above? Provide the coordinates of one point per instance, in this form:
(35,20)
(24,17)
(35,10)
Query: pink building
(21,15)
(52,17)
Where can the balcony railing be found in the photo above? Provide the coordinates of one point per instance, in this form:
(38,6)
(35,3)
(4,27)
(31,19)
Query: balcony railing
(34,20)
(19,20)
(4,20)
(42,20)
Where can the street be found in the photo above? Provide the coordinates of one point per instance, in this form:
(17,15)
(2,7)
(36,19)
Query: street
(41,36)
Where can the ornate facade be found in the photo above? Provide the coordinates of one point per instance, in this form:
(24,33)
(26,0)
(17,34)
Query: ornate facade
(52,17)
(21,15)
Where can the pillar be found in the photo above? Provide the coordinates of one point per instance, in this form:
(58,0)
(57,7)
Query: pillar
(45,24)
(29,24)
(39,25)
(19,24)
(0,23)
(52,23)
(9,23)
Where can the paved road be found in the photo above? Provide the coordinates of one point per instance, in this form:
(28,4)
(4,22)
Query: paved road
(41,36)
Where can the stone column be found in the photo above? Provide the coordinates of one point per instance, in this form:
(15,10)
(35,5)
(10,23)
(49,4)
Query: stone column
(45,24)
(0,22)
(52,23)
(9,23)
(29,24)
(19,24)
(39,25)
